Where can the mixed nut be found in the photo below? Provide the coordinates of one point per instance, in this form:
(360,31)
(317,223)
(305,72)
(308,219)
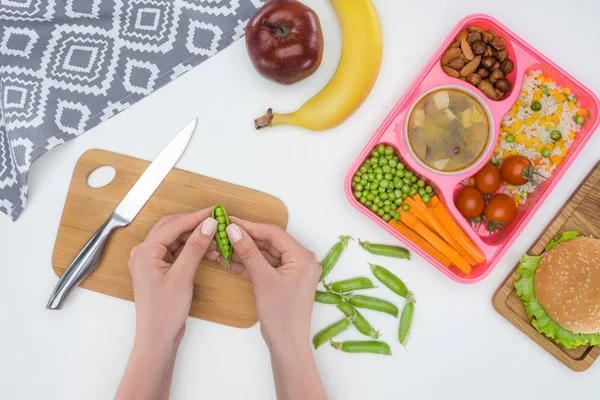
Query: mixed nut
(480,57)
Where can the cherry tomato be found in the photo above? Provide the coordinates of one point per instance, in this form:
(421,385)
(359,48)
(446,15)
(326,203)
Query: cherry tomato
(470,202)
(500,210)
(514,170)
(488,179)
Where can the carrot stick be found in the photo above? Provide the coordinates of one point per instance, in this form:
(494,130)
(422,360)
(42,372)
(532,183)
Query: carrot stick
(445,234)
(422,243)
(419,213)
(434,201)
(442,214)
(416,202)
(413,223)
(420,201)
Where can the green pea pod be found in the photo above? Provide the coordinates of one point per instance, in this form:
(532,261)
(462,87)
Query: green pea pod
(350,285)
(390,280)
(367,346)
(372,303)
(360,322)
(385,250)
(333,256)
(406,321)
(220,214)
(332,331)
(327,298)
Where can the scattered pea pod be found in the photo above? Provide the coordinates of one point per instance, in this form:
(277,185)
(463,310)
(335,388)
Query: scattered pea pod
(372,303)
(390,280)
(332,331)
(220,214)
(333,256)
(367,346)
(327,298)
(385,250)
(406,321)
(360,322)
(350,285)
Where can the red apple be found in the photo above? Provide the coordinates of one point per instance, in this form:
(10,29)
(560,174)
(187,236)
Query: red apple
(284,41)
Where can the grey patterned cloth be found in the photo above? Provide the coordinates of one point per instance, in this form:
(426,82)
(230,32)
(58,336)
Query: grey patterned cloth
(67,65)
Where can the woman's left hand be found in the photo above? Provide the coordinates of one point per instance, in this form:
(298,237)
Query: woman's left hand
(162,269)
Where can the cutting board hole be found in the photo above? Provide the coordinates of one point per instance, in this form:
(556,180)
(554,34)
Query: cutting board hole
(101,176)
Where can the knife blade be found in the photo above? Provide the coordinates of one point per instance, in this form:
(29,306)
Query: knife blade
(90,255)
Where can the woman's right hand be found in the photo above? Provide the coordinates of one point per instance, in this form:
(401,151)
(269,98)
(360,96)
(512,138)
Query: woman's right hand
(284,275)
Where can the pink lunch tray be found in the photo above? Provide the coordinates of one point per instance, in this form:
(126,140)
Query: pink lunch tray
(391,132)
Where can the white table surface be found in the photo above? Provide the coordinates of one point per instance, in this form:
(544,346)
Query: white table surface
(460,347)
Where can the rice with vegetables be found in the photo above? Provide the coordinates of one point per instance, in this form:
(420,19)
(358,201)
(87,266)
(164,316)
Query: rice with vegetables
(541,126)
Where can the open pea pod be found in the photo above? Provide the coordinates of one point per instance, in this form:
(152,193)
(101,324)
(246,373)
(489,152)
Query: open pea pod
(220,214)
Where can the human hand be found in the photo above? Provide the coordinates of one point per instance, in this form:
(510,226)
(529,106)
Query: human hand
(284,275)
(162,269)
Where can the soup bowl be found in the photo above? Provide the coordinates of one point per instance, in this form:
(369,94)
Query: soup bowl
(485,154)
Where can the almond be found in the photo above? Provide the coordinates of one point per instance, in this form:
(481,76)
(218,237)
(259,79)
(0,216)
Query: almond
(455,45)
(466,49)
(450,55)
(457,64)
(488,90)
(471,66)
(451,72)
(474,29)
(462,35)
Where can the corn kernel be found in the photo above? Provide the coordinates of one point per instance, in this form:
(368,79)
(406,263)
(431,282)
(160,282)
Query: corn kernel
(539,148)
(505,154)
(571,105)
(513,152)
(537,97)
(529,121)
(572,135)
(556,160)
(549,80)
(543,121)
(553,92)
(520,138)
(518,123)
(559,110)
(559,143)
(538,161)
(520,102)
(563,151)
(517,198)
(550,125)
(560,98)
(556,119)
(566,91)
(582,112)
(549,146)
(536,139)
(528,143)
(535,115)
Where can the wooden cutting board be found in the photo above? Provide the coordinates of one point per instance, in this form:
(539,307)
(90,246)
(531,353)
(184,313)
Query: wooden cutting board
(219,295)
(581,213)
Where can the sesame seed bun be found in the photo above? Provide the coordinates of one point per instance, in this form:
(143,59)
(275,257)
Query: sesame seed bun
(567,285)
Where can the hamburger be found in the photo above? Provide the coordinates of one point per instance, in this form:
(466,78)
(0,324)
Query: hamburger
(561,290)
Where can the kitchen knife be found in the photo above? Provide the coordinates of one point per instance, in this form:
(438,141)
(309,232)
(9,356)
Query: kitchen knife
(91,254)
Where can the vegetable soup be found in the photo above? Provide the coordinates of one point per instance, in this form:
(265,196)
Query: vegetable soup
(448,130)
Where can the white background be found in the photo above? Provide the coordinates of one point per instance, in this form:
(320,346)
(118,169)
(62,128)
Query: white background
(460,347)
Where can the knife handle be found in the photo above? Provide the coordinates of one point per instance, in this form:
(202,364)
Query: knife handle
(85,262)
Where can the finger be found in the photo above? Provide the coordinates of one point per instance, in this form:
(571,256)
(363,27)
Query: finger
(266,246)
(178,225)
(274,235)
(274,261)
(194,249)
(212,255)
(180,241)
(236,268)
(249,255)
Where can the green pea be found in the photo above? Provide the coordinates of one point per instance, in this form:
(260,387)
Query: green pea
(406,321)
(408,174)
(574,100)
(579,120)
(510,138)
(221,220)
(381,212)
(398,183)
(386,217)
(374,184)
(331,331)
(546,153)
(382,161)
(536,106)
(421,183)
(362,200)
(544,89)
(413,191)
(388,157)
(386,169)
(360,323)
(359,187)
(350,285)
(363,168)
(383,196)
(387,202)
(405,189)
(495,162)
(374,192)
(374,160)
(397,216)
(398,192)
(219,213)
(422,192)
(400,173)
(389,151)
(375,153)
(393,163)
(376,202)
(356,179)
(381,189)
(357,194)
(365,192)
(400,166)
(426,198)
(369,346)
(393,171)
(371,177)
(555,135)
(369,203)
(374,207)
(378,177)
(328,298)
(413,179)
(398,201)
(405,207)
(395,158)
(387,209)
(364,182)
(378,170)
(404,196)
(429,189)
(384,183)
(372,303)
(388,176)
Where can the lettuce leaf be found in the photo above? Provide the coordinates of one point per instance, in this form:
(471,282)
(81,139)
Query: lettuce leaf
(539,318)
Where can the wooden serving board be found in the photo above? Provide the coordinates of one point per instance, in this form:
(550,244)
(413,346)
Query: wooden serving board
(219,295)
(581,213)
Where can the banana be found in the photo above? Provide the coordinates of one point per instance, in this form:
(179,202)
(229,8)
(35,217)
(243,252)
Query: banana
(354,77)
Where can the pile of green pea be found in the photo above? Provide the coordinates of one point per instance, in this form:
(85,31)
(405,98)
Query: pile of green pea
(382,183)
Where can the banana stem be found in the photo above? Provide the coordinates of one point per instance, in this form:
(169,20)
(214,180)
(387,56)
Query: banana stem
(270,118)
